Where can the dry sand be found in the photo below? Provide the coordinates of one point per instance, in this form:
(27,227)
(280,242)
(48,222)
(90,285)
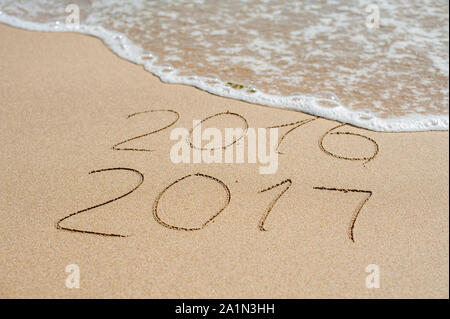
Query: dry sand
(64,103)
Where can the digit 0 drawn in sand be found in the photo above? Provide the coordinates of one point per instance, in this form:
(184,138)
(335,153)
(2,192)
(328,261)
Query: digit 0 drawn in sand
(158,198)
(365,159)
(358,209)
(273,202)
(115,146)
(216,115)
(141,180)
(295,126)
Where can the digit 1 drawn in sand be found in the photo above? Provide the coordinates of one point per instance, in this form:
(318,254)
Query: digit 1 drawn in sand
(365,159)
(141,180)
(273,202)
(115,146)
(210,117)
(158,198)
(358,209)
(295,126)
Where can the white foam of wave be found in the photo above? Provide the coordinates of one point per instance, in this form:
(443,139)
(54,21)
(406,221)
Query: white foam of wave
(324,104)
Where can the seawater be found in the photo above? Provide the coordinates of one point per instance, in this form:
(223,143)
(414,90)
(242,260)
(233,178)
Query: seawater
(318,57)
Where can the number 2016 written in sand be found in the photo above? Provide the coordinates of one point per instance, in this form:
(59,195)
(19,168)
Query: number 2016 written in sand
(281,188)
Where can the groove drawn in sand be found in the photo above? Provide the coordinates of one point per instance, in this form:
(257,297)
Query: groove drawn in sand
(158,198)
(365,159)
(358,209)
(273,202)
(115,146)
(295,126)
(222,147)
(141,180)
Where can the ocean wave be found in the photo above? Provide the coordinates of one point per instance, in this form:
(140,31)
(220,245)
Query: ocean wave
(318,58)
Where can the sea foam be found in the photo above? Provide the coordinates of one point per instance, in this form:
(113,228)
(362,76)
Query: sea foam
(318,58)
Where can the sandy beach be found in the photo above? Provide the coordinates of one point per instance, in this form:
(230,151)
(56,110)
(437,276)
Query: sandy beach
(336,204)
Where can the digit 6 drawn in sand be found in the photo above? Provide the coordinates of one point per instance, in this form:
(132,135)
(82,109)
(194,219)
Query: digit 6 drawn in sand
(210,117)
(115,146)
(141,180)
(273,202)
(163,223)
(365,159)
(359,207)
(295,124)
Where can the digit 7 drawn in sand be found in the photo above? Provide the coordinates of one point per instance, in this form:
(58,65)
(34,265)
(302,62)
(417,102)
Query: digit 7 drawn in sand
(359,207)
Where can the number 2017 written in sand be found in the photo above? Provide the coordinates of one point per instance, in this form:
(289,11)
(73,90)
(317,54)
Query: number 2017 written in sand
(282,187)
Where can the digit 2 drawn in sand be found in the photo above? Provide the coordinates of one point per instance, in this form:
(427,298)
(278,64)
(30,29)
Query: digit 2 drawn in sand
(358,209)
(365,159)
(199,147)
(141,180)
(115,146)
(163,223)
(295,126)
(273,202)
